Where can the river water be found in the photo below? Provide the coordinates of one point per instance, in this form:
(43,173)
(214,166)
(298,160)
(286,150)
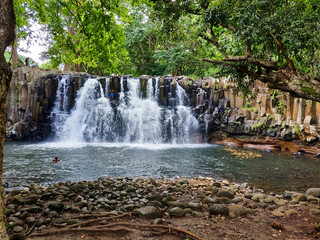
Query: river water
(145,138)
(26,163)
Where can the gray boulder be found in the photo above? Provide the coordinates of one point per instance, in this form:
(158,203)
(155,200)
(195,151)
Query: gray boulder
(149,212)
(217,209)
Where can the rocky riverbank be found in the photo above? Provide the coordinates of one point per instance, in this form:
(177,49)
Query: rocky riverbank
(199,208)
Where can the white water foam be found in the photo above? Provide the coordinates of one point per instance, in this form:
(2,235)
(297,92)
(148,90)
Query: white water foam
(132,119)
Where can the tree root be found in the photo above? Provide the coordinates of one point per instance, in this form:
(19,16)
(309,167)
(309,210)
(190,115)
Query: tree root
(88,229)
(110,227)
(99,219)
(28,231)
(115,226)
(95,215)
(138,226)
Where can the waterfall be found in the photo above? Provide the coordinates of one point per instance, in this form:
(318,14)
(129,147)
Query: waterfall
(59,114)
(133,117)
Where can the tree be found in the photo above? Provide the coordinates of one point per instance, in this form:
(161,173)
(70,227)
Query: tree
(275,41)
(87,35)
(7,25)
(155,51)
(27,11)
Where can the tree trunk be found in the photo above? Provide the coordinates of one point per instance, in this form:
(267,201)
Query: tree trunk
(14,51)
(67,67)
(7,26)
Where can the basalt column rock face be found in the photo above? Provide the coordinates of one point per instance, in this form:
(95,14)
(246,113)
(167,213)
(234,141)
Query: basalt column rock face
(270,113)
(30,99)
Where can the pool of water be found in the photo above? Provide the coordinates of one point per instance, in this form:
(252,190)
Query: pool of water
(26,163)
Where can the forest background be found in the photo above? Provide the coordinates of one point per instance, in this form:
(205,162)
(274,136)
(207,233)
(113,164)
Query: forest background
(275,41)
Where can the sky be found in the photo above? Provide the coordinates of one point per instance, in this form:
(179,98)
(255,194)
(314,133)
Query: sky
(33,47)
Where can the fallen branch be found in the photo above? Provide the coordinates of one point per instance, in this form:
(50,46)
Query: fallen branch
(169,228)
(98,220)
(32,227)
(69,230)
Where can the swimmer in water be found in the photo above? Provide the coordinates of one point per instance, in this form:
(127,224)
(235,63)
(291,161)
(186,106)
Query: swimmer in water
(56,160)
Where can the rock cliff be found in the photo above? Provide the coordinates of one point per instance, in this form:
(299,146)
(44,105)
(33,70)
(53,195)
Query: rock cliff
(216,103)
(267,112)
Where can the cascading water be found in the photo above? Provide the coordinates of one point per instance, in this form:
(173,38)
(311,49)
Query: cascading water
(132,118)
(60,110)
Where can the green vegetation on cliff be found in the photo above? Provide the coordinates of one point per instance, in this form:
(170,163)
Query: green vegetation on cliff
(275,41)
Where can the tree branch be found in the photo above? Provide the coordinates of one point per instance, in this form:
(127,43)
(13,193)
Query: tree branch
(82,27)
(282,49)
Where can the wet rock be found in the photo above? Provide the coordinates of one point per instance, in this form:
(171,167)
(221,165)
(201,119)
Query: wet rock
(217,209)
(148,212)
(224,193)
(56,206)
(237,210)
(177,212)
(315,192)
